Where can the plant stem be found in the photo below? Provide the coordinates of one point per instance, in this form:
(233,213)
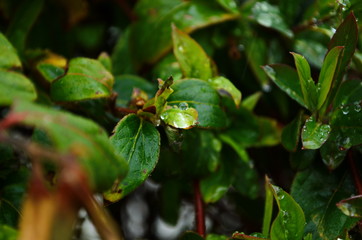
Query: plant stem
(355,173)
(199,210)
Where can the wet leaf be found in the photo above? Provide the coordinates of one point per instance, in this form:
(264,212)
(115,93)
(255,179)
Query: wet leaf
(193,60)
(314,133)
(346,35)
(9,57)
(216,237)
(85,79)
(327,74)
(200,95)
(291,133)
(268,208)
(138,142)
(230,5)
(286,78)
(317,191)
(247,237)
(290,221)
(351,206)
(269,16)
(180,118)
(71,134)
(50,72)
(306,82)
(13,86)
(225,87)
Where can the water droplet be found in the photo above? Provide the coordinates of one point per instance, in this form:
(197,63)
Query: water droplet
(357,106)
(180,48)
(183,106)
(266,87)
(345,109)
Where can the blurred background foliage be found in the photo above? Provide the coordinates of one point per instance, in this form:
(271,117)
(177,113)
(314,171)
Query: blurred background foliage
(239,36)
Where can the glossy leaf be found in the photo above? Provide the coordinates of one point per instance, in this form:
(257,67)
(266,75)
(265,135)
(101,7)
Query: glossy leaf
(346,35)
(216,237)
(327,74)
(180,118)
(225,87)
(302,158)
(166,67)
(268,208)
(9,57)
(230,5)
(13,86)
(138,142)
(50,72)
(71,134)
(286,78)
(193,60)
(314,133)
(290,221)
(351,206)
(291,133)
(317,191)
(85,79)
(200,95)
(187,16)
(306,82)
(269,16)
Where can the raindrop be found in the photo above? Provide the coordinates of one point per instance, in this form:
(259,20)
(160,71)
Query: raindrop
(345,109)
(266,87)
(357,106)
(183,106)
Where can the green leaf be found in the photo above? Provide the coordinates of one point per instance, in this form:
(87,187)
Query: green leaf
(22,21)
(184,118)
(225,87)
(8,57)
(229,5)
(306,82)
(252,130)
(50,72)
(216,237)
(125,84)
(291,133)
(105,60)
(138,142)
(122,62)
(8,233)
(302,158)
(250,102)
(269,16)
(268,208)
(71,134)
(166,67)
(187,16)
(13,86)
(193,60)
(327,74)
(314,133)
(290,221)
(170,201)
(200,95)
(200,152)
(286,78)
(346,35)
(215,186)
(191,236)
(85,79)
(351,206)
(247,237)
(317,191)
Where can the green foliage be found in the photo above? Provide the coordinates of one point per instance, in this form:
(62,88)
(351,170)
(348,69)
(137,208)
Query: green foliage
(141,102)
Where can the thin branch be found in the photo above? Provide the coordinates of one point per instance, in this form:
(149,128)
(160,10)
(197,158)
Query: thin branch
(199,210)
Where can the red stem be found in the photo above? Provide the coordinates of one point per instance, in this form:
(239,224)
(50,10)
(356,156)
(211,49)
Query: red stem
(355,173)
(199,210)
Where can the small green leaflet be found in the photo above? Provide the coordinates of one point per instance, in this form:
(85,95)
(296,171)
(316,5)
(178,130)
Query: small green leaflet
(314,133)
